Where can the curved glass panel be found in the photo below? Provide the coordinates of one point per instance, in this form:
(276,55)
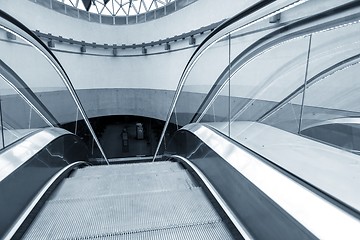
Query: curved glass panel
(207,72)
(201,80)
(34,90)
(18,117)
(284,81)
(282,70)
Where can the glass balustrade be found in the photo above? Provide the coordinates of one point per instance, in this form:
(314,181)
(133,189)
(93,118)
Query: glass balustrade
(285,86)
(35,91)
(295,74)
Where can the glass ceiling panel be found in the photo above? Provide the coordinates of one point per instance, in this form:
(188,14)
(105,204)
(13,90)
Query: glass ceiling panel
(118,7)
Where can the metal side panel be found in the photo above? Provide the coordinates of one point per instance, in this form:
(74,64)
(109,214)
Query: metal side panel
(31,164)
(115,215)
(291,211)
(123,184)
(14,156)
(133,168)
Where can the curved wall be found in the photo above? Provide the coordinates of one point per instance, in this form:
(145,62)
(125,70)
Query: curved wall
(194,16)
(139,85)
(156,72)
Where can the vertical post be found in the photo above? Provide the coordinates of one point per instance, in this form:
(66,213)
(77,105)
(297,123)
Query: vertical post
(305,84)
(76,121)
(29,125)
(229,117)
(176,120)
(2,125)
(213,110)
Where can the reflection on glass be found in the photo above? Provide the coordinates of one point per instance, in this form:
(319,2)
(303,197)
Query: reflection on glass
(286,115)
(334,118)
(18,117)
(201,80)
(287,89)
(40,90)
(170,130)
(219,109)
(331,106)
(258,93)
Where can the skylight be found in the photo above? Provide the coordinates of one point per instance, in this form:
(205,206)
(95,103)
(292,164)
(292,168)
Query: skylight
(117,7)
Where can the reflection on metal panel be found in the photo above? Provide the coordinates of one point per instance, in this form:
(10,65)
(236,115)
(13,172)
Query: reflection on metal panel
(20,152)
(32,175)
(322,218)
(332,170)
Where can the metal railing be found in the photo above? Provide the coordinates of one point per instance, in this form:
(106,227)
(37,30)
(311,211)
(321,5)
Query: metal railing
(14,27)
(256,13)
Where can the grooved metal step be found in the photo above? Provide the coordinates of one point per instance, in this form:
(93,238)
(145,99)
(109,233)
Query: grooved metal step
(132,168)
(209,231)
(123,184)
(122,215)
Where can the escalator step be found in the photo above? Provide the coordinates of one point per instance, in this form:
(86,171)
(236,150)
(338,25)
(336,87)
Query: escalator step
(133,168)
(123,184)
(122,215)
(209,231)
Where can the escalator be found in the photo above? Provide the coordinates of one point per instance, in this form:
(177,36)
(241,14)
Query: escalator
(221,179)
(206,187)
(157,200)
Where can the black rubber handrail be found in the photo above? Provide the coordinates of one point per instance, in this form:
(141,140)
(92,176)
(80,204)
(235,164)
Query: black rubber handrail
(208,40)
(40,45)
(318,77)
(269,41)
(26,91)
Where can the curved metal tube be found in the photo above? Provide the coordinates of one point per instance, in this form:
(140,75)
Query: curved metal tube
(19,86)
(267,42)
(17,28)
(318,77)
(232,216)
(20,152)
(29,164)
(265,175)
(12,231)
(242,20)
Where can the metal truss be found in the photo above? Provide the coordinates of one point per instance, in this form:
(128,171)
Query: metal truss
(117,7)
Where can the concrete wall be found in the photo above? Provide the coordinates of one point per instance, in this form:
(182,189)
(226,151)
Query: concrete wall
(124,85)
(141,85)
(156,71)
(192,17)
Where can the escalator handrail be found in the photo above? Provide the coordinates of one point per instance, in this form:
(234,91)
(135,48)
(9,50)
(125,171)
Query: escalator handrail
(35,201)
(272,39)
(27,94)
(23,32)
(19,152)
(223,204)
(355,59)
(218,33)
(266,175)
